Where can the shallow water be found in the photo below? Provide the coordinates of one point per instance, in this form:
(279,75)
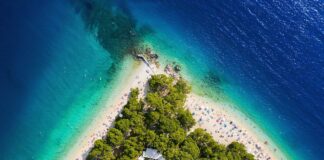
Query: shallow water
(50,65)
(266,57)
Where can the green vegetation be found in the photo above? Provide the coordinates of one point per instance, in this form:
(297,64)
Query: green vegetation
(160,121)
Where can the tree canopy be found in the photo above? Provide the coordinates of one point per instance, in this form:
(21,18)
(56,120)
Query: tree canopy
(161,122)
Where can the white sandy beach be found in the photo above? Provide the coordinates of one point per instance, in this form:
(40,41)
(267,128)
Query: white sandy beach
(226,125)
(221,120)
(113,105)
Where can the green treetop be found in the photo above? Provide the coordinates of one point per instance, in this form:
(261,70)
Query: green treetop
(160,121)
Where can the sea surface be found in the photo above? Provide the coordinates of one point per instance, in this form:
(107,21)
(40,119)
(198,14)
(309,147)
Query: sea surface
(267,57)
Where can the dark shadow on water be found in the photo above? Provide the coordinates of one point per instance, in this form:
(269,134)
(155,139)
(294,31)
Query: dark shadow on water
(113,25)
(211,85)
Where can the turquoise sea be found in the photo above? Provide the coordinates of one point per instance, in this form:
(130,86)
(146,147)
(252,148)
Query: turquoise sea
(57,65)
(51,80)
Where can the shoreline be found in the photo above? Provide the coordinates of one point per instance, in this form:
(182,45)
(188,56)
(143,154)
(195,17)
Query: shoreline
(227,124)
(256,141)
(111,106)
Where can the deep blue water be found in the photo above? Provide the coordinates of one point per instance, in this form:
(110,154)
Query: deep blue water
(269,52)
(22,63)
(272,55)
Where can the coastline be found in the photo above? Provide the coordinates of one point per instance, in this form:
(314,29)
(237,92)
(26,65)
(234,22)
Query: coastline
(227,124)
(225,105)
(110,107)
(253,138)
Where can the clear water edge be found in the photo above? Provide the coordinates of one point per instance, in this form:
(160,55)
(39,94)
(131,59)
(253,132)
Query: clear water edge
(170,53)
(227,94)
(84,116)
(172,47)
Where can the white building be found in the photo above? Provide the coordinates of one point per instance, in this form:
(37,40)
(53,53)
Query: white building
(151,154)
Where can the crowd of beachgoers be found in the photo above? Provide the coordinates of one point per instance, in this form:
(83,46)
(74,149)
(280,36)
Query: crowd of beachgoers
(223,126)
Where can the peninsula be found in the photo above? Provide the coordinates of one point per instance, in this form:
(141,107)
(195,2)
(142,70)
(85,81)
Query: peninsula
(154,109)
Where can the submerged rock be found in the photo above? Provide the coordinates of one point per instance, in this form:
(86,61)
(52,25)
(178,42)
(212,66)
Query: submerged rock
(177,68)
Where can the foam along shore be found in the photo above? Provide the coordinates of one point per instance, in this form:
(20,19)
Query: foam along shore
(219,119)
